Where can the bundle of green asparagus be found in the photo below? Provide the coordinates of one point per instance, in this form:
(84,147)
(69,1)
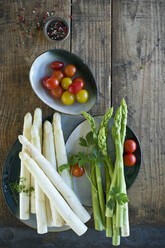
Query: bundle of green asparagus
(110,206)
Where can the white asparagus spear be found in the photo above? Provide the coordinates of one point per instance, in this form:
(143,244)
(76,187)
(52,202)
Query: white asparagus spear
(36,141)
(60,148)
(24,173)
(36,138)
(56,179)
(54,196)
(53,217)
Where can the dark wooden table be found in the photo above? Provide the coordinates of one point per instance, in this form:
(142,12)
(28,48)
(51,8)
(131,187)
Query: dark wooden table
(123,42)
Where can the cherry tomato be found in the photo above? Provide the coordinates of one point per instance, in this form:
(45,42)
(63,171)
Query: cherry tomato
(43,80)
(75,87)
(57,65)
(67,98)
(52,83)
(57,92)
(58,74)
(129,146)
(77,171)
(82,96)
(70,70)
(129,159)
(79,79)
(66,81)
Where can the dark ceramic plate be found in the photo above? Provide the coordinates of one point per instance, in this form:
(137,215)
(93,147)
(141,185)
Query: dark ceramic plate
(41,68)
(11,168)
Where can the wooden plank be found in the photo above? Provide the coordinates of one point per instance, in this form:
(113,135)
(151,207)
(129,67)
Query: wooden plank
(91,40)
(138,75)
(18,51)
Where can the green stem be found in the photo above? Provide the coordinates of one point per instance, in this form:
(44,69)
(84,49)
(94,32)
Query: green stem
(109,227)
(109,212)
(119,215)
(125,230)
(119,208)
(116,233)
(109,166)
(108,219)
(100,192)
(95,204)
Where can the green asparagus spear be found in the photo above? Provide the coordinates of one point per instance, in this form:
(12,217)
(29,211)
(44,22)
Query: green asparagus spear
(125,232)
(98,179)
(95,203)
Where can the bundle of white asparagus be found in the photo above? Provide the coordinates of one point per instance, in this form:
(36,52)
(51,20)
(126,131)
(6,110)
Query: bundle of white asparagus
(53,200)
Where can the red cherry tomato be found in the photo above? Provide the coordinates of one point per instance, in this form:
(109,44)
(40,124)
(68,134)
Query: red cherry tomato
(43,80)
(129,159)
(79,79)
(129,146)
(77,171)
(70,70)
(52,83)
(75,87)
(57,65)
(58,74)
(57,92)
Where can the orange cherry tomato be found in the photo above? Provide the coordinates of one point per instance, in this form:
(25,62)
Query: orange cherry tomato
(58,74)
(57,65)
(70,70)
(129,159)
(57,92)
(43,80)
(67,98)
(77,171)
(52,83)
(79,79)
(129,146)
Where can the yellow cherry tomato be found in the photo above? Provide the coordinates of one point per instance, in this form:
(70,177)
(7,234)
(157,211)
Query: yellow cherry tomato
(67,98)
(82,96)
(66,82)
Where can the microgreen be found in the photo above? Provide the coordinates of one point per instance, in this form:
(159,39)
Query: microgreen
(20,187)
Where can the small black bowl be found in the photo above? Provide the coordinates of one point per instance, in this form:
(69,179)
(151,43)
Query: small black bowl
(56,29)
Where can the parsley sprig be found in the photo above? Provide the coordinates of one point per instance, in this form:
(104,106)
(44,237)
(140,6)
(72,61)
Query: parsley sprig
(116,197)
(19,187)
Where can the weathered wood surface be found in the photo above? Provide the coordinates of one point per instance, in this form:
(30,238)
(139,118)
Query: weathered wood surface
(18,51)
(91,40)
(138,74)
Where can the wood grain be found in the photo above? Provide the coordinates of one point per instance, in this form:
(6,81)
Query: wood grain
(138,75)
(18,51)
(91,40)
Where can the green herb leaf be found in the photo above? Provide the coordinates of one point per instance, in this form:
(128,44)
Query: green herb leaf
(83,142)
(89,138)
(63,167)
(111,204)
(121,198)
(18,187)
(114,192)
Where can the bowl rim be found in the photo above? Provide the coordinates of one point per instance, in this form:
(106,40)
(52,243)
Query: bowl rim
(64,50)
